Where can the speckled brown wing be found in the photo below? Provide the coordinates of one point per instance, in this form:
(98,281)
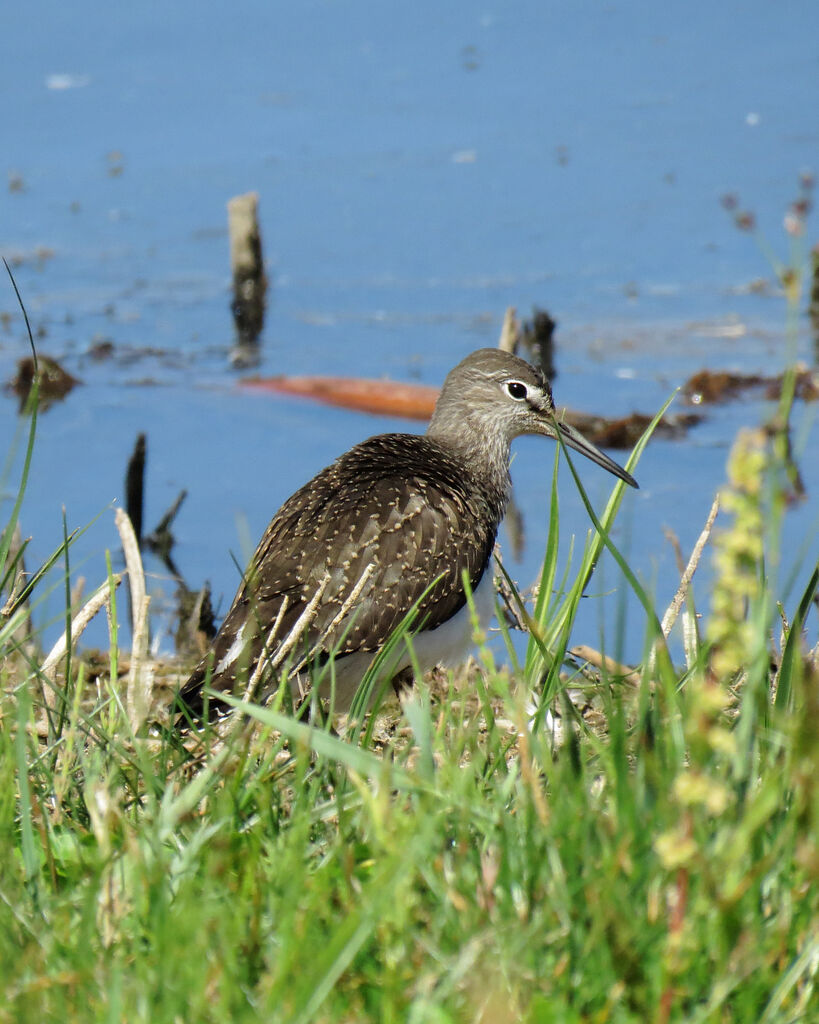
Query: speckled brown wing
(375,519)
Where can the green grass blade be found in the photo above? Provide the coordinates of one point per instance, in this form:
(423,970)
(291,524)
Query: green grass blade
(349,756)
(792,652)
(28,845)
(32,404)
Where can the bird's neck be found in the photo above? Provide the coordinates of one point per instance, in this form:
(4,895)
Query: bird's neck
(484,453)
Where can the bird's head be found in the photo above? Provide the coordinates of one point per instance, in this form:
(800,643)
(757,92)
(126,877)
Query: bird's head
(492,397)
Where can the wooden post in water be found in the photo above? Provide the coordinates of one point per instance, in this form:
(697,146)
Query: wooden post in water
(538,338)
(813,307)
(247,265)
(135,485)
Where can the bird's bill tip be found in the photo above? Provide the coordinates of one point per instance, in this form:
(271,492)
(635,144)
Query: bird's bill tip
(574,439)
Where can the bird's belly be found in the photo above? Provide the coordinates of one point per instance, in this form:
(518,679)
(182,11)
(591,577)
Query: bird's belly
(451,642)
(447,645)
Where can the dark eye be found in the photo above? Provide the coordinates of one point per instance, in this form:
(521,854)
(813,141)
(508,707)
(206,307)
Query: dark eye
(516,390)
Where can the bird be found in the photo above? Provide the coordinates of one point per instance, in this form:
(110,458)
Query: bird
(394,526)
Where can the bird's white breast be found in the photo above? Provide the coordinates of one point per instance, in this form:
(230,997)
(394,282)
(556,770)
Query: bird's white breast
(450,643)
(447,645)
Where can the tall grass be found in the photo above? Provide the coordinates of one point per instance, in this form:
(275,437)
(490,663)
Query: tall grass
(454,864)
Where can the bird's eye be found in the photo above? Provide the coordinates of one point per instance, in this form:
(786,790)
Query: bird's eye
(516,389)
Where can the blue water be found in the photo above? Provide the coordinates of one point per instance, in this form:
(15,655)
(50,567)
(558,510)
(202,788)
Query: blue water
(420,167)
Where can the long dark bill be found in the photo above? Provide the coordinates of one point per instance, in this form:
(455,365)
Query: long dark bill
(574,439)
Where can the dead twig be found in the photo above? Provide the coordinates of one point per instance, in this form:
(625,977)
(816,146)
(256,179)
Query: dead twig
(606,664)
(673,610)
(140,675)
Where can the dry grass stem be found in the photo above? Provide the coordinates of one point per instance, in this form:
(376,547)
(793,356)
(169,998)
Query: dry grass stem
(352,598)
(23,633)
(673,609)
(269,644)
(57,652)
(133,563)
(78,624)
(139,695)
(140,675)
(606,664)
(300,625)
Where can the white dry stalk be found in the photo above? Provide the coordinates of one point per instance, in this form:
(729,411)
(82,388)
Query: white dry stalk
(133,562)
(301,624)
(270,640)
(113,894)
(691,637)
(140,675)
(690,631)
(670,617)
(265,661)
(78,624)
(350,600)
(269,644)
(603,662)
(673,610)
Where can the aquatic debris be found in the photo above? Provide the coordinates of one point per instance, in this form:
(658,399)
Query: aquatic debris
(537,338)
(710,386)
(416,402)
(55,382)
(626,431)
(380,397)
(250,282)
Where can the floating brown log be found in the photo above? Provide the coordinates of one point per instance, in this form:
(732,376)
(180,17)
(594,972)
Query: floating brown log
(416,402)
(381,397)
